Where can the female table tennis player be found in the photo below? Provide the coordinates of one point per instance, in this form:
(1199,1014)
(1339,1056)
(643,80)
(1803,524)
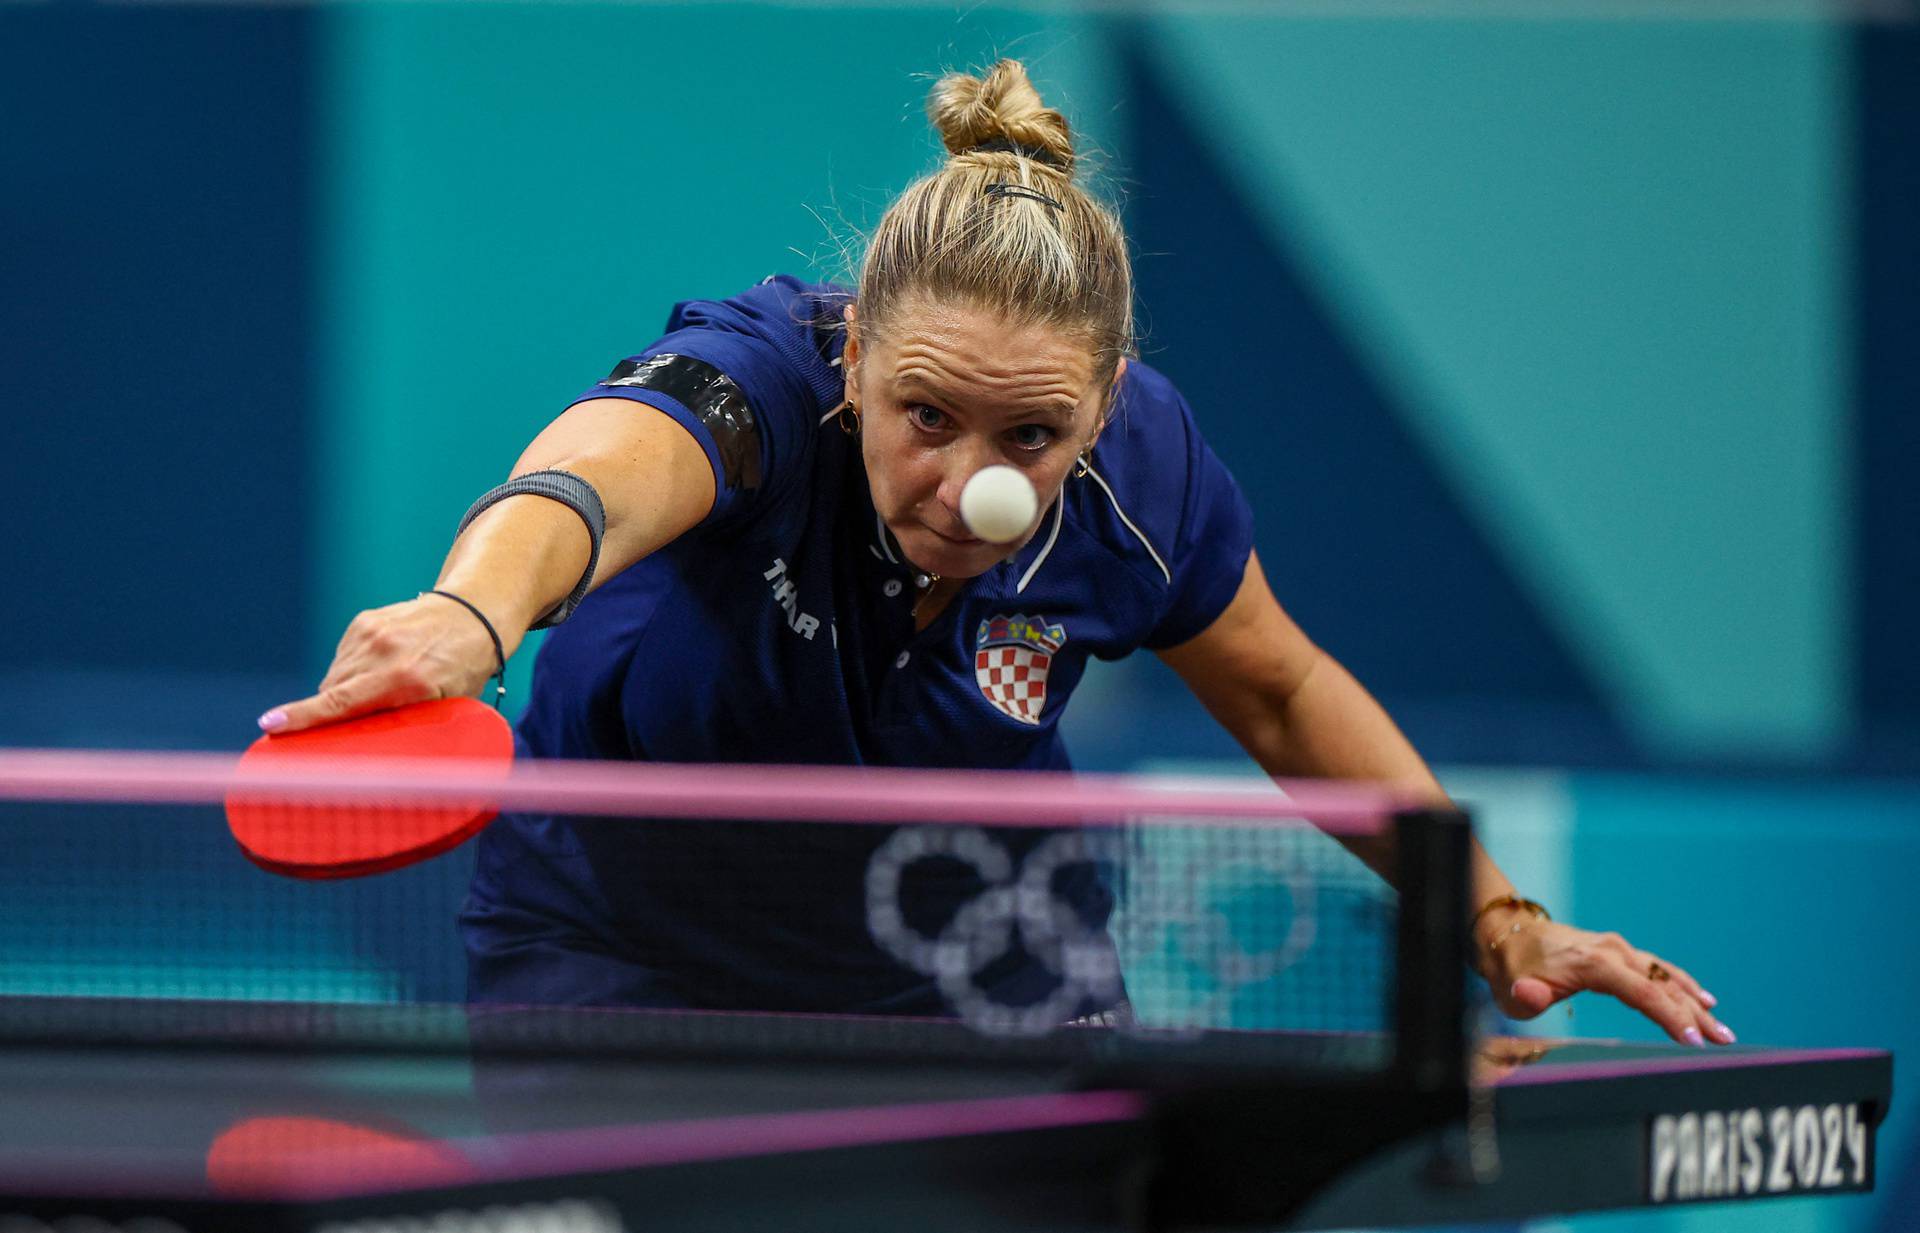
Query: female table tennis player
(748,536)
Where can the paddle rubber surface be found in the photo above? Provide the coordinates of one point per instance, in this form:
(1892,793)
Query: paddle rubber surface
(299,839)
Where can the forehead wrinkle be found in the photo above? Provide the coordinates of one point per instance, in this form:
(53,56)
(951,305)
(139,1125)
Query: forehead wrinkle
(1021,406)
(1041,387)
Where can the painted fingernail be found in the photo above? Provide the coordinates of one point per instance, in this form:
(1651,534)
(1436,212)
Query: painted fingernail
(1724,1034)
(273,720)
(1693,1037)
(1707,999)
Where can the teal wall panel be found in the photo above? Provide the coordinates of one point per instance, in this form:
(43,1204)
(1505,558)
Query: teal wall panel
(1604,266)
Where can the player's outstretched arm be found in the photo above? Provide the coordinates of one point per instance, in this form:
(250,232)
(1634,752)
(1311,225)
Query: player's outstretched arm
(1299,713)
(517,561)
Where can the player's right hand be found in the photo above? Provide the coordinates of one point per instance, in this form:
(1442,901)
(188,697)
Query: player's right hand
(425,648)
(1546,962)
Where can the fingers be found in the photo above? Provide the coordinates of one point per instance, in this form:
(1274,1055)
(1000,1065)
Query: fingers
(1692,986)
(1685,993)
(1530,996)
(1548,963)
(1648,997)
(388,657)
(1634,976)
(351,697)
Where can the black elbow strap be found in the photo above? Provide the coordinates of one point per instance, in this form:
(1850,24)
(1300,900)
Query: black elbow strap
(574,493)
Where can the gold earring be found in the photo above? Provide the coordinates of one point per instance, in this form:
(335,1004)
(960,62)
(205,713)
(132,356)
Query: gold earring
(1082,466)
(848,417)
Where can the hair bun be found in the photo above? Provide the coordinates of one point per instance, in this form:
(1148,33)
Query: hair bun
(1000,113)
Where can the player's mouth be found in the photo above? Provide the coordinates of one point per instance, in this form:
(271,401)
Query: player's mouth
(962,540)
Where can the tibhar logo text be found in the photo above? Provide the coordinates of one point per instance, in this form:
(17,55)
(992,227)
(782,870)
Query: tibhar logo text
(788,597)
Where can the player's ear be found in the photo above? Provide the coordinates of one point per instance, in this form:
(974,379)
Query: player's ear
(850,356)
(1106,405)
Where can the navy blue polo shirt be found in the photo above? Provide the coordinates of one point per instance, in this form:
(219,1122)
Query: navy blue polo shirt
(780,630)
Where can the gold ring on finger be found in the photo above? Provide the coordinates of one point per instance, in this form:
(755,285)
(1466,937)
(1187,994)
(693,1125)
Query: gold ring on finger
(1657,972)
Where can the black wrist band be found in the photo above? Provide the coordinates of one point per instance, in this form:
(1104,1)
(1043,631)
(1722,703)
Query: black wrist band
(499,651)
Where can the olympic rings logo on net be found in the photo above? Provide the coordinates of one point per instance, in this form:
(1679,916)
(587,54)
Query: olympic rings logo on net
(982,930)
(1082,956)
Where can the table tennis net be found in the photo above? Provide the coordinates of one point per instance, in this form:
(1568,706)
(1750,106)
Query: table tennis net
(115,913)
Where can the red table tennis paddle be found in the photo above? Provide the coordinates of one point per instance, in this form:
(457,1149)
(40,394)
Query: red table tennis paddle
(260,1157)
(283,834)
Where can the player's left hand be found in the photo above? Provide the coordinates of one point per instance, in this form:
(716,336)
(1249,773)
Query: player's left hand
(1544,962)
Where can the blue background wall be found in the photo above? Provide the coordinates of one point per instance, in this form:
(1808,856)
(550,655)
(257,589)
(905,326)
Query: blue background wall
(158,212)
(1567,363)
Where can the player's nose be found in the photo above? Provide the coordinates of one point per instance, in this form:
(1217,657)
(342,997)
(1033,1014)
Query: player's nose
(962,461)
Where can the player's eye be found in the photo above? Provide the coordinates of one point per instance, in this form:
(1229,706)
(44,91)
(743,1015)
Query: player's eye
(932,419)
(1034,437)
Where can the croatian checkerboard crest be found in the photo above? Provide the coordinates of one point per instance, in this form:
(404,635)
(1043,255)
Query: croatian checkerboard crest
(1011,657)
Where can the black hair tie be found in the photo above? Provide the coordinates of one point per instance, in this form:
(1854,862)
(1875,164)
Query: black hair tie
(499,651)
(1006,145)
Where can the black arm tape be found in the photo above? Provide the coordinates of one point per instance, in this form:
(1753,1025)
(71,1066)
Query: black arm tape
(714,399)
(574,493)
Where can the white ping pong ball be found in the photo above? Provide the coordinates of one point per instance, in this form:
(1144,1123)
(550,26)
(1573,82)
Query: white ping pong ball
(999,504)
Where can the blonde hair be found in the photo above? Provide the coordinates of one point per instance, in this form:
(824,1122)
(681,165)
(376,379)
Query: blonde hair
(1044,253)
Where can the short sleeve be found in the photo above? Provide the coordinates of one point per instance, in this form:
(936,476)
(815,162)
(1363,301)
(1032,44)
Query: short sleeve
(1210,547)
(746,393)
